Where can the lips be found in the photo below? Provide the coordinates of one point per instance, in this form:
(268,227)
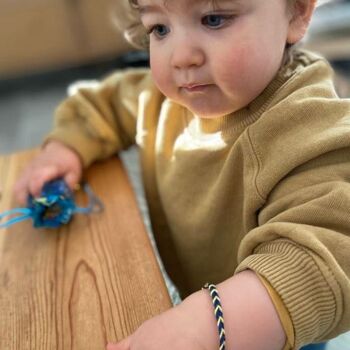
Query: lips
(195,87)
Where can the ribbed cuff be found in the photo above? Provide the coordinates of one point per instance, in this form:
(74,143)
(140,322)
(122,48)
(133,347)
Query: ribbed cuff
(308,294)
(282,313)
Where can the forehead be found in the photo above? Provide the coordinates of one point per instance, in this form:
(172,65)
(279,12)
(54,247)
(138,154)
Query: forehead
(146,5)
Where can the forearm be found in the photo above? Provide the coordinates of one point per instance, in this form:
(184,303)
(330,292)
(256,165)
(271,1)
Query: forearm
(251,320)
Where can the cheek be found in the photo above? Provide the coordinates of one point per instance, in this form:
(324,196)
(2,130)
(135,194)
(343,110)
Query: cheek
(160,73)
(234,66)
(247,70)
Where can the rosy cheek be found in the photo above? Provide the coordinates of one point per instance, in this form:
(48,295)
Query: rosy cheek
(158,73)
(162,77)
(234,66)
(155,69)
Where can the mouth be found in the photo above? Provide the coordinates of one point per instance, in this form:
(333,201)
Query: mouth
(195,87)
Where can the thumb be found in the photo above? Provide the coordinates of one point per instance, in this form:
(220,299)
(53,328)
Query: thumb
(72,179)
(122,345)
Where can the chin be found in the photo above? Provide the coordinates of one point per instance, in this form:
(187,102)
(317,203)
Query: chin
(207,110)
(211,111)
(212,114)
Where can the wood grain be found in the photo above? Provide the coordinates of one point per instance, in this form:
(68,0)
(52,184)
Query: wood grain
(89,282)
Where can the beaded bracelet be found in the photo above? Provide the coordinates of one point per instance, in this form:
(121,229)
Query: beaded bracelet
(218,313)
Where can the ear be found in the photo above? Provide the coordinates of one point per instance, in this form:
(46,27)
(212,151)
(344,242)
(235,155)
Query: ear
(300,19)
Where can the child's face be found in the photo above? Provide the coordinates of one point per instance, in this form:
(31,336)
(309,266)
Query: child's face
(215,61)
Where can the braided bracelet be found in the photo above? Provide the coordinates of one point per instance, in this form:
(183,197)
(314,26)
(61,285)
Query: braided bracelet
(218,313)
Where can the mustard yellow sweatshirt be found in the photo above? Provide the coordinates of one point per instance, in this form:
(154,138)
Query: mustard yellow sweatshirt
(265,188)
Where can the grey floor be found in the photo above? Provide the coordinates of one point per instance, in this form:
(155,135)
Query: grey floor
(26,109)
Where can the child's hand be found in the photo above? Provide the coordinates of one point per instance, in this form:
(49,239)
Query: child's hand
(190,325)
(54,160)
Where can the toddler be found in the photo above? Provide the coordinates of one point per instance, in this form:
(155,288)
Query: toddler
(245,154)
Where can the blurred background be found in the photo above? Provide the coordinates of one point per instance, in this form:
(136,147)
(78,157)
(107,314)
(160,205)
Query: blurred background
(46,45)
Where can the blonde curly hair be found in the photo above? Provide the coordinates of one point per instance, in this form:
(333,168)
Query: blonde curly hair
(129,22)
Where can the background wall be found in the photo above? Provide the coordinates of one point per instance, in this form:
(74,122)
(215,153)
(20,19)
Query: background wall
(42,35)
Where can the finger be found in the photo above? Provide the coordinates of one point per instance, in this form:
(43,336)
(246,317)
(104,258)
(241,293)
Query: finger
(111,346)
(122,345)
(38,179)
(21,195)
(72,179)
(20,189)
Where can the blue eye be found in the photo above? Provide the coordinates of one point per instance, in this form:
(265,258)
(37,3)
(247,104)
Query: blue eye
(159,30)
(215,21)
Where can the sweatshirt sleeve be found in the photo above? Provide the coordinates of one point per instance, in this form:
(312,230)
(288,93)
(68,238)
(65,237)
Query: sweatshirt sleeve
(301,242)
(99,119)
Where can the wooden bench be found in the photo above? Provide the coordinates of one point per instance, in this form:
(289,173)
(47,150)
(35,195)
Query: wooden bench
(89,282)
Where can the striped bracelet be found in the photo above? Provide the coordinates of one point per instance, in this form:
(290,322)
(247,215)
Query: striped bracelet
(218,313)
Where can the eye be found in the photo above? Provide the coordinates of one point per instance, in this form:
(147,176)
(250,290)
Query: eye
(215,21)
(159,30)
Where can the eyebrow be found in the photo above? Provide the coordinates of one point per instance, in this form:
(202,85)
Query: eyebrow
(148,8)
(156,8)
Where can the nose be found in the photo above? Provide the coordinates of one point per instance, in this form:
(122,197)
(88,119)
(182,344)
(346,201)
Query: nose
(187,53)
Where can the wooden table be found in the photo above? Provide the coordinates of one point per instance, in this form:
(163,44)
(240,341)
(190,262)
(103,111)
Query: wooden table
(92,281)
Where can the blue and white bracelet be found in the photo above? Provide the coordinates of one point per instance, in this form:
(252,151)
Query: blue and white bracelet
(218,313)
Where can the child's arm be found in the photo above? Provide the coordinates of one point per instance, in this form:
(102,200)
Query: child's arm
(251,321)
(100,119)
(96,121)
